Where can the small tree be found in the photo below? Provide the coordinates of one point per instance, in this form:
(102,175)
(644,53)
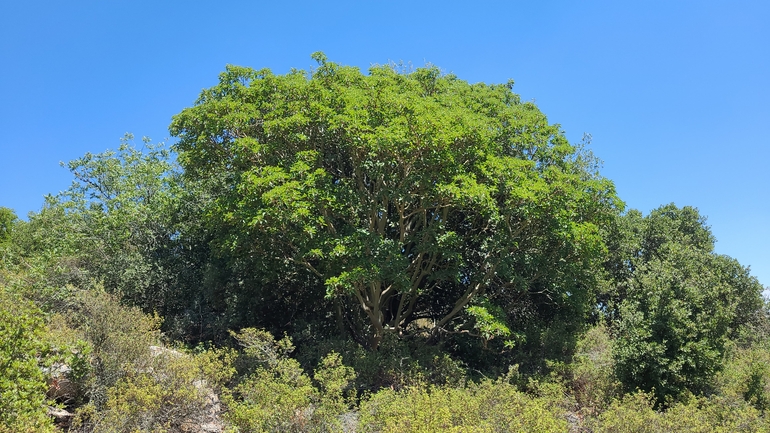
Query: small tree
(681,305)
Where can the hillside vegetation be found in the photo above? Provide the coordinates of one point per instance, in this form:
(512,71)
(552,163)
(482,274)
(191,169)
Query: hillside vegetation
(397,251)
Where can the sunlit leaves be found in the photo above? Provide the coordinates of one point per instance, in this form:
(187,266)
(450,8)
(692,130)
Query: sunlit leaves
(390,186)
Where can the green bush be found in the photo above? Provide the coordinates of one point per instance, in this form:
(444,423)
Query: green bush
(396,364)
(680,306)
(272,400)
(635,413)
(70,350)
(120,338)
(485,407)
(335,394)
(277,396)
(175,392)
(590,375)
(747,375)
(22,383)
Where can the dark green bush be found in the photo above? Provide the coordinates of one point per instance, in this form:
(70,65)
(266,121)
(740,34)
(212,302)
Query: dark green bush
(396,364)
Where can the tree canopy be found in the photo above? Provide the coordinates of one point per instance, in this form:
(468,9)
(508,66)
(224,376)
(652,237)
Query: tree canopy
(413,194)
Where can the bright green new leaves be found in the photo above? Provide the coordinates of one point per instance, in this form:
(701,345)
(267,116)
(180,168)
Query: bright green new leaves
(22,384)
(489,321)
(410,194)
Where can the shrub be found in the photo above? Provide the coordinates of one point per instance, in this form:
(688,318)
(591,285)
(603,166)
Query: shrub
(635,413)
(591,373)
(747,376)
(175,392)
(335,393)
(120,338)
(396,364)
(22,384)
(272,399)
(277,396)
(485,407)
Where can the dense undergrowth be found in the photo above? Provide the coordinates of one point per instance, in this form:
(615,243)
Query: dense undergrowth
(124,377)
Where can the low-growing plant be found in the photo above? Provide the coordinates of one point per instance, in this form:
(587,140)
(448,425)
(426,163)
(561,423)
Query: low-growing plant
(635,413)
(175,391)
(277,395)
(590,376)
(746,375)
(120,338)
(397,364)
(490,406)
(335,394)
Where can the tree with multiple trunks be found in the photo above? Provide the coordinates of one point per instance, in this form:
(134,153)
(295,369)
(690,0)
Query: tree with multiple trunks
(410,194)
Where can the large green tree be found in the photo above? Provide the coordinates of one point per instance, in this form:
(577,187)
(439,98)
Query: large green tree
(408,194)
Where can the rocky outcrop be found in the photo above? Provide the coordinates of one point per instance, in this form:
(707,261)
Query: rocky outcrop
(61,417)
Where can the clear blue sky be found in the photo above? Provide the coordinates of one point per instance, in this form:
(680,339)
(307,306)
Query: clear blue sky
(676,94)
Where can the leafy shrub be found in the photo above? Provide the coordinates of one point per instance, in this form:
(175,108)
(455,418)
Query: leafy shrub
(485,407)
(747,375)
(335,393)
(68,362)
(120,338)
(635,413)
(680,307)
(396,364)
(277,396)
(7,220)
(175,392)
(22,384)
(590,375)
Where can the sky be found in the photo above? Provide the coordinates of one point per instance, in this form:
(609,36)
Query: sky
(675,94)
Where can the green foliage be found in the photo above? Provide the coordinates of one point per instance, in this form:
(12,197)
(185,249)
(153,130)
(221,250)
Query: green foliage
(681,304)
(173,392)
(71,352)
(279,397)
(747,375)
(335,388)
(22,384)
(488,320)
(635,413)
(260,349)
(120,338)
(413,233)
(485,407)
(396,195)
(114,225)
(7,220)
(590,374)
(399,363)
